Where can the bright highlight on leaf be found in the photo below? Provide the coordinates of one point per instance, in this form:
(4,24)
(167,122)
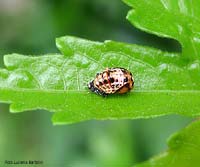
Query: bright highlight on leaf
(165,83)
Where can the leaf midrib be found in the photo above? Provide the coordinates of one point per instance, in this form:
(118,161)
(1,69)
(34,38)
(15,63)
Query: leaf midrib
(85,91)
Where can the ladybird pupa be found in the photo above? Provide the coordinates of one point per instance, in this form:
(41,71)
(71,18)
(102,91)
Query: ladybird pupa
(112,80)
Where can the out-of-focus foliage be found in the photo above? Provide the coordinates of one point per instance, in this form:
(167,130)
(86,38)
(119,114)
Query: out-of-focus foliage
(183,149)
(30,27)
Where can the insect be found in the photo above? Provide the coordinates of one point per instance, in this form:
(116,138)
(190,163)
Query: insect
(112,80)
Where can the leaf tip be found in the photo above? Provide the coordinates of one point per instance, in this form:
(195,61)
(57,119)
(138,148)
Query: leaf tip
(16,108)
(61,44)
(128,2)
(12,60)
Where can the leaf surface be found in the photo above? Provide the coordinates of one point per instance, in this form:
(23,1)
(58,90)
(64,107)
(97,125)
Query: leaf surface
(164,84)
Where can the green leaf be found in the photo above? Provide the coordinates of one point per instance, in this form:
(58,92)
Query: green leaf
(177,19)
(163,83)
(184,149)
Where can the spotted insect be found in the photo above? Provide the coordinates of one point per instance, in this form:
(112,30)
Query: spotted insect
(112,80)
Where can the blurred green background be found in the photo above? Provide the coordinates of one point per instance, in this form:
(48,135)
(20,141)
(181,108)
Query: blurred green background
(30,27)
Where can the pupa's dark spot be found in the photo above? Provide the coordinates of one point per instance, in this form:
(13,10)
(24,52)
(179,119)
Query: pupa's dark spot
(126,79)
(127,85)
(111,80)
(105,81)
